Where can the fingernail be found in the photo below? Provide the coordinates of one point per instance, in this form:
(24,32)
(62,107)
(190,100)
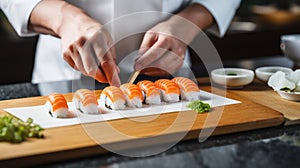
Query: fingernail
(101,80)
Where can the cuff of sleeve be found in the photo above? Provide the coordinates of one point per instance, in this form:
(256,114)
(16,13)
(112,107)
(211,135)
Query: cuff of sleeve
(222,13)
(18,13)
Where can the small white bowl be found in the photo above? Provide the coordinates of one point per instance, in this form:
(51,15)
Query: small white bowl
(232,77)
(293,96)
(264,73)
(290,47)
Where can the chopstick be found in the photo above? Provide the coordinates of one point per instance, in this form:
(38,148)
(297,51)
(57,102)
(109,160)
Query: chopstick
(133,76)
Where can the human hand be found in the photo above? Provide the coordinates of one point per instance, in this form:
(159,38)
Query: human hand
(163,48)
(86,45)
(161,52)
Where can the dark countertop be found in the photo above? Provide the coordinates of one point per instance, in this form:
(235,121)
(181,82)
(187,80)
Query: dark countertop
(270,147)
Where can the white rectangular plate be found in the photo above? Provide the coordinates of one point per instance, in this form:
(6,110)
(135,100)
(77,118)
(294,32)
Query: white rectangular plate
(42,117)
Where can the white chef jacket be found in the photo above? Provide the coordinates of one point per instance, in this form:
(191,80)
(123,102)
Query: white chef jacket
(123,19)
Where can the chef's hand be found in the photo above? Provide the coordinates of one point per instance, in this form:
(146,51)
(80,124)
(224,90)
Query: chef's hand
(161,53)
(89,49)
(86,45)
(163,47)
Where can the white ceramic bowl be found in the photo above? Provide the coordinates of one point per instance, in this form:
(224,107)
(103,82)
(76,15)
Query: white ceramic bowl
(290,46)
(264,73)
(232,77)
(294,96)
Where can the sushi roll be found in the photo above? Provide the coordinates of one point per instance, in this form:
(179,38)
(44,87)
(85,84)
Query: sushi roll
(169,90)
(85,101)
(133,94)
(150,92)
(188,89)
(57,106)
(113,98)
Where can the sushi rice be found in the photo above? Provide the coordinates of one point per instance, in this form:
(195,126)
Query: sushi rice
(117,105)
(133,95)
(152,99)
(88,109)
(134,102)
(59,113)
(189,96)
(171,97)
(150,92)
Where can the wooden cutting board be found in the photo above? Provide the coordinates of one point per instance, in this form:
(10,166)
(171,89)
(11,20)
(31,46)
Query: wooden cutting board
(260,93)
(74,141)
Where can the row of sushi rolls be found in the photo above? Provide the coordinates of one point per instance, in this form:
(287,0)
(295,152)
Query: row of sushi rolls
(127,95)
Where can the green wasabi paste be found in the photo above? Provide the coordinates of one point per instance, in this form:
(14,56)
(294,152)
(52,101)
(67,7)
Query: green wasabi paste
(199,106)
(231,74)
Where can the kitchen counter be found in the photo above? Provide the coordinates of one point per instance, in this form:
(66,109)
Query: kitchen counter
(270,147)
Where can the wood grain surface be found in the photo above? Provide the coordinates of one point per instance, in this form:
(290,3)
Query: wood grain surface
(123,135)
(260,93)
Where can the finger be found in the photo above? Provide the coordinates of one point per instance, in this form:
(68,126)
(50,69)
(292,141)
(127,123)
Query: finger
(149,39)
(107,58)
(109,67)
(69,60)
(169,62)
(114,55)
(90,63)
(100,76)
(111,70)
(76,57)
(152,54)
(112,49)
(70,53)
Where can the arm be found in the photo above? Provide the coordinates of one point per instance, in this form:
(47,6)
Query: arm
(54,17)
(222,11)
(85,42)
(19,20)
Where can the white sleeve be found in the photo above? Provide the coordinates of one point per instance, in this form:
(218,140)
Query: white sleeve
(18,13)
(222,11)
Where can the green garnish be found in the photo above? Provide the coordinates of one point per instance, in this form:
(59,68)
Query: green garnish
(231,74)
(199,106)
(16,131)
(286,89)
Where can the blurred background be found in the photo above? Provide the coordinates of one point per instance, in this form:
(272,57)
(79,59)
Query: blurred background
(254,34)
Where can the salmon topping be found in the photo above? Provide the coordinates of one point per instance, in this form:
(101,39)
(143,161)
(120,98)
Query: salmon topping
(167,85)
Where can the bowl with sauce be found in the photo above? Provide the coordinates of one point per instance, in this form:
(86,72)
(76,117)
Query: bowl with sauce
(232,77)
